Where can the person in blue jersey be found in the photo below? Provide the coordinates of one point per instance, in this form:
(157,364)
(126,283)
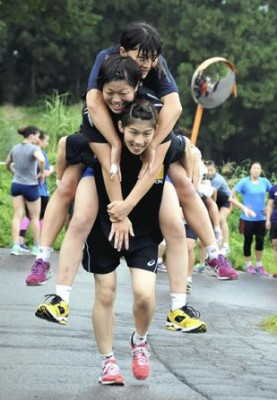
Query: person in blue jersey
(253,190)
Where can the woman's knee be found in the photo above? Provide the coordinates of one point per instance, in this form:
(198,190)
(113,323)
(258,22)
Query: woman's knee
(144,301)
(106,295)
(81,224)
(173,231)
(66,190)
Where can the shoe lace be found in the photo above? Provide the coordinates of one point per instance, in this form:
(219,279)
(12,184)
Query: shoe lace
(224,262)
(38,266)
(56,299)
(110,368)
(191,311)
(140,353)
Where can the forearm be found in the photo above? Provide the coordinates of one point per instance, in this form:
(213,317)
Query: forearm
(113,187)
(168,117)
(146,182)
(41,165)
(269,210)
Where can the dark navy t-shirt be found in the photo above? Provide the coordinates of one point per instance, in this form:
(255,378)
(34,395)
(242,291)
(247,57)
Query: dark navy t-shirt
(159,79)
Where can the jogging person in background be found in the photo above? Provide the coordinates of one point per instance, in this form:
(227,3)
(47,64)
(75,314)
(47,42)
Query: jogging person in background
(253,190)
(24,161)
(43,192)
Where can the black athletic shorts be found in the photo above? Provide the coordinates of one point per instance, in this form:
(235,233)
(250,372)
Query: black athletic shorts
(77,150)
(100,257)
(222,200)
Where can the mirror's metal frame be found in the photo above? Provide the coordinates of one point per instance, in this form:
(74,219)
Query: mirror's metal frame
(199,110)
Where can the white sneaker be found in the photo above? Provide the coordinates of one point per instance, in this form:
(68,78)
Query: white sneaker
(161,267)
(16,250)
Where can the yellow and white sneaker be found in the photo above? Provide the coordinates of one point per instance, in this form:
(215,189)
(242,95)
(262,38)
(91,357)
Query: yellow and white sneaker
(185,319)
(55,311)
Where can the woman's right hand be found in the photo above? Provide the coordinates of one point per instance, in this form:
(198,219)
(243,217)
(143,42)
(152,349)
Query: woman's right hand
(120,231)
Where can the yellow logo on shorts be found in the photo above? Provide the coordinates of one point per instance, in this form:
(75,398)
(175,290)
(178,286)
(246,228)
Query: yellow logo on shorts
(160,176)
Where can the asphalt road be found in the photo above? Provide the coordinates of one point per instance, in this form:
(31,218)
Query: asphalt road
(233,360)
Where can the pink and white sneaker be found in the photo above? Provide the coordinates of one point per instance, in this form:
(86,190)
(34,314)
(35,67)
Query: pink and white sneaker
(40,272)
(111,375)
(141,365)
(221,268)
(261,271)
(251,270)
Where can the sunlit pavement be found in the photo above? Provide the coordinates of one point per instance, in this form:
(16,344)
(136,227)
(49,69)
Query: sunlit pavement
(234,359)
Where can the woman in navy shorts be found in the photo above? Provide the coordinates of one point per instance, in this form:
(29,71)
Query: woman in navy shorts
(23,162)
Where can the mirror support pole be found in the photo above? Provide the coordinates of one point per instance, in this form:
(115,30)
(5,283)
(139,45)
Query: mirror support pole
(196,124)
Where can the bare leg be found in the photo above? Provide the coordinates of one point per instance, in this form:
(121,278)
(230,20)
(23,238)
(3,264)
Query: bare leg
(173,231)
(259,255)
(34,211)
(194,210)
(103,311)
(191,255)
(18,212)
(224,213)
(143,284)
(56,210)
(61,162)
(85,212)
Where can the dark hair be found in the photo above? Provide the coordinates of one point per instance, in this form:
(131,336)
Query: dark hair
(184,132)
(142,36)
(210,163)
(26,131)
(42,135)
(118,68)
(139,110)
(255,162)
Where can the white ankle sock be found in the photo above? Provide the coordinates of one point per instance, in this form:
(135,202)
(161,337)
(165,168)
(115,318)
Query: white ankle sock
(212,251)
(64,292)
(106,357)
(178,300)
(44,253)
(138,339)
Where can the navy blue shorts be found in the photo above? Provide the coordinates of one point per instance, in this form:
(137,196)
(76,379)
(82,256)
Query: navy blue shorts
(29,192)
(89,171)
(190,234)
